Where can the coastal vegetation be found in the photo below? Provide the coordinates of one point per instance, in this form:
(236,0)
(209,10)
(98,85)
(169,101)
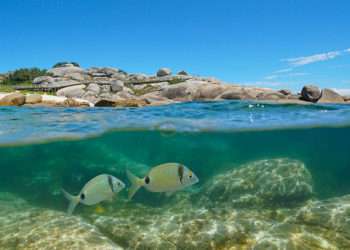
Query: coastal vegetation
(60,64)
(22,76)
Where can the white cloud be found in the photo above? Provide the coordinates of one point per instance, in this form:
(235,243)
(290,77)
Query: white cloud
(347,50)
(271,77)
(265,84)
(304,60)
(296,74)
(283,71)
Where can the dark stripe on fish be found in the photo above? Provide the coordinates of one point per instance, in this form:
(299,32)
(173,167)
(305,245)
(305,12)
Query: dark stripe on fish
(180,172)
(110,182)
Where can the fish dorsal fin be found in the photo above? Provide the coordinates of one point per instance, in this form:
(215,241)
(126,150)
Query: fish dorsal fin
(180,172)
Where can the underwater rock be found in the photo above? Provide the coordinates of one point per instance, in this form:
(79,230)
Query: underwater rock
(27,227)
(331,214)
(271,182)
(317,225)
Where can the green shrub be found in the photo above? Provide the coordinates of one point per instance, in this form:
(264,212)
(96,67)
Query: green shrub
(60,64)
(25,75)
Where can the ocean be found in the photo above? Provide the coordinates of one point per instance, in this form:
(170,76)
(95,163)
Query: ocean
(271,176)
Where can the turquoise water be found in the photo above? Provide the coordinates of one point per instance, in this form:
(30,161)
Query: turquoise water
(44,149)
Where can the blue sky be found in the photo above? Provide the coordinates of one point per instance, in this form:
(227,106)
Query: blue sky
(275,43)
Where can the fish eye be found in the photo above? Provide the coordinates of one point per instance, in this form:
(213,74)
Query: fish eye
(190,175)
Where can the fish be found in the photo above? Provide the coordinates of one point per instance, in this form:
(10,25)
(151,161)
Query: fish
(100,188)
(167,178)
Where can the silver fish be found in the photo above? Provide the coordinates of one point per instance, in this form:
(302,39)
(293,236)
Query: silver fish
(100,188)
(168,178)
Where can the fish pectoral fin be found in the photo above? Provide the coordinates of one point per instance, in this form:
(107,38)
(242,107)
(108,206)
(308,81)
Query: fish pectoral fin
(168,194)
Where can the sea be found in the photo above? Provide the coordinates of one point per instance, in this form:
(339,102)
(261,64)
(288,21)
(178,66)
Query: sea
(271,176)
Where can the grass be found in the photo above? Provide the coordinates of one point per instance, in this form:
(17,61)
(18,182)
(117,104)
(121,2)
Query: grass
(10,88)
(175,81)
(6,88)
(145,90)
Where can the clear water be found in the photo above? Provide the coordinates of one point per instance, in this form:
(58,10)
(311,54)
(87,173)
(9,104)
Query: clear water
(44,149)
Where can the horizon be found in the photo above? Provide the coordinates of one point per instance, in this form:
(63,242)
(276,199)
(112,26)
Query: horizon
(272,44)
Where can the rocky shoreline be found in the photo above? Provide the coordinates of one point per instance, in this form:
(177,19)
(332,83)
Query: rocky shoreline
(112,87)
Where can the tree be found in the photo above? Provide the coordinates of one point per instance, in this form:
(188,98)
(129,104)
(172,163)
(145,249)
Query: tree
(23,75)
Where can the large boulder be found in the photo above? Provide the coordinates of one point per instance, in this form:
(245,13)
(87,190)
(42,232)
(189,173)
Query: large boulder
(286,92)
(43,80)
(237,93)
(117,86)
(102,72)
(67,70)
(330,96)
(175,91)
(271,96)
(210,91)
(93,88)
(33,99)
(137,77)
(119,76)
(13,99)
(272,182)
(72,91)
(62,82)
(163,72)
(188,90)
(310,93)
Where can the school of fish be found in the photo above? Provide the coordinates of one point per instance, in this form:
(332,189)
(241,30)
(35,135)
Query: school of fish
(165,178)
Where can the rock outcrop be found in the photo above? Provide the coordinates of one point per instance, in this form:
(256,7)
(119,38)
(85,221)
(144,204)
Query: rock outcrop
(330,96)
(107,85)
(72,91)
(310,93)
(164,72)
(13,99)
(33,99)
(273,182)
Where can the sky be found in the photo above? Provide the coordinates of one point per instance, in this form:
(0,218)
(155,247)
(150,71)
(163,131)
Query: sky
(267,43)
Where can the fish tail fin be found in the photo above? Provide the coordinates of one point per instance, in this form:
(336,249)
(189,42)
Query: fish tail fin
(136,183)
(73,201)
